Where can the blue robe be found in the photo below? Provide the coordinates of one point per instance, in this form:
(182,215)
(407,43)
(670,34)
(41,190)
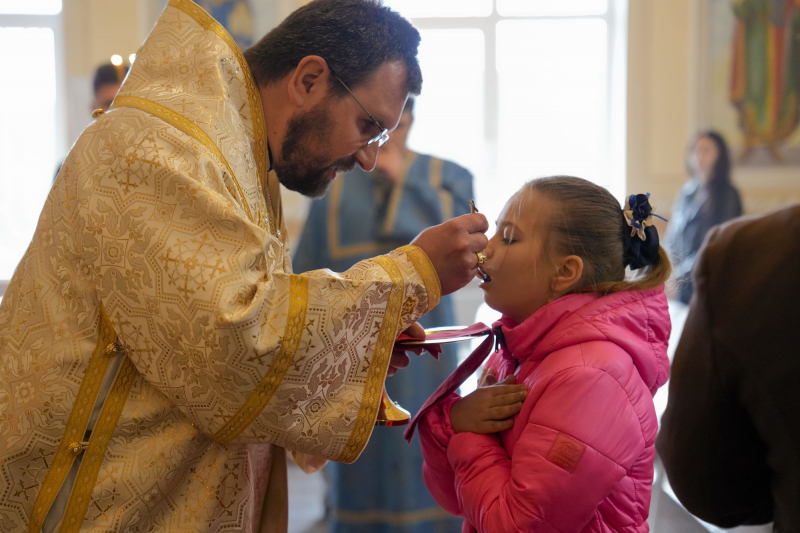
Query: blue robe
(361,217)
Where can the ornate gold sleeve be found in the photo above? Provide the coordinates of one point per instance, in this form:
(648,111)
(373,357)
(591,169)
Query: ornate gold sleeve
(199,296)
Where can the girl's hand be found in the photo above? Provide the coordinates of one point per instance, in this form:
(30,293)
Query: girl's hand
(488,409)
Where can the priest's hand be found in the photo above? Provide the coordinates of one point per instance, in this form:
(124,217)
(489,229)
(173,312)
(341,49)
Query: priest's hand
(452,248)
(400,359)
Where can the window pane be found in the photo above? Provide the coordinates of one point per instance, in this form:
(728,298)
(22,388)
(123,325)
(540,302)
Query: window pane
(448,116)
(528,8)
(27,136)
(552,101)
(30,7)
(441,8)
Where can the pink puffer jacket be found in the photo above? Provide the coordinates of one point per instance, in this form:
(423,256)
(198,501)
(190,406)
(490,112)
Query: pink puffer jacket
(580,454)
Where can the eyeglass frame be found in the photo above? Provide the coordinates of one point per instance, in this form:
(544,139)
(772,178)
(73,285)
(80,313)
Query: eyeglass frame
(380,138)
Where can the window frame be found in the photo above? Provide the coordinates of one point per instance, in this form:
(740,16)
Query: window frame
(616,18)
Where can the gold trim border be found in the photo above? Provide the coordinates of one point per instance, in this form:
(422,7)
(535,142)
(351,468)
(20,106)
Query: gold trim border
(207,22)
(424,268)
(189,128)
(76,424)
(435,172)
(445,198)
(373,388)
(255,403)
(98,444)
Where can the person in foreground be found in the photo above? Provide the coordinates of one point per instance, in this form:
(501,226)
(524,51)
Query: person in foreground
(561,434)
(157,352)
(729,436)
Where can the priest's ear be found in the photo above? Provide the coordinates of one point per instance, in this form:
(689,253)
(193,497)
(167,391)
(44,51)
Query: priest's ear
(568,273)
(308,84)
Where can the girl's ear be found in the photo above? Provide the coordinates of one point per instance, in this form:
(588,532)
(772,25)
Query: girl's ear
(568,274)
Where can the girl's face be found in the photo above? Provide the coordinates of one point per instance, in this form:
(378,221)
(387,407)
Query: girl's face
(516,259)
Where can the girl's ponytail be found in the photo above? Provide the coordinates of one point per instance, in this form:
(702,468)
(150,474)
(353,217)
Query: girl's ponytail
(590,224)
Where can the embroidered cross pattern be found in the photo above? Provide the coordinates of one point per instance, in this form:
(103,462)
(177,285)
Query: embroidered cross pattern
(191,264)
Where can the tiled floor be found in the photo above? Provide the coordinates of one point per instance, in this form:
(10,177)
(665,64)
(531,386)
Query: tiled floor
(666,516)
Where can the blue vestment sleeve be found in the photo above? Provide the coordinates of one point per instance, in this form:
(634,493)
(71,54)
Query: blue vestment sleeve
(312,250)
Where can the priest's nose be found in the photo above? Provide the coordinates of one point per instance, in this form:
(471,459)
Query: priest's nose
(367,157)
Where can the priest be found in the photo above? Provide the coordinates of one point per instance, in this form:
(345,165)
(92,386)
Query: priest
(157,353)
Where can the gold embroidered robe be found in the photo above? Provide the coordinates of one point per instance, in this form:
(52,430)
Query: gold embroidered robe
(157,246)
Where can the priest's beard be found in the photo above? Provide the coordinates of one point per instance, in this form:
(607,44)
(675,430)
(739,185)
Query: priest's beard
(301,170)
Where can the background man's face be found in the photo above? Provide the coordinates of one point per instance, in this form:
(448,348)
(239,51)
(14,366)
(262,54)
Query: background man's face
(392,160)
(105,95)
(331,137)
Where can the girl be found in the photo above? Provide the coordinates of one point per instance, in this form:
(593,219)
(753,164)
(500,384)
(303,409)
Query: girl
(565,441)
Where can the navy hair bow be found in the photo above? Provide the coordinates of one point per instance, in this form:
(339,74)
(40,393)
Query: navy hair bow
(641,246)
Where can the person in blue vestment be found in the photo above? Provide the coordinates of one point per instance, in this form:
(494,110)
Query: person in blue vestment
(366,214)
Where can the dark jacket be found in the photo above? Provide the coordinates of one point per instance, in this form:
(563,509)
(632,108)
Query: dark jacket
(730,437)
(695,211)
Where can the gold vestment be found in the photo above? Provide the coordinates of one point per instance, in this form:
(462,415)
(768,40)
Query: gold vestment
(161,243)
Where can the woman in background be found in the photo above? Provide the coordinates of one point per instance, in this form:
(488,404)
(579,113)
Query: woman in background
(708,198)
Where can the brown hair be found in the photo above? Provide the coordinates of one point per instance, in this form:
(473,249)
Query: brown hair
(355,37)
(587,221)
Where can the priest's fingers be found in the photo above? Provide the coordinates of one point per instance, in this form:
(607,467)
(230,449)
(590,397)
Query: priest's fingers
(451,248)
(473,223)
(476,242)
(399,360)
(415,330)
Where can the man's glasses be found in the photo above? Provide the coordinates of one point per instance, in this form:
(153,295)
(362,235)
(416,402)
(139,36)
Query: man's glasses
(380,138)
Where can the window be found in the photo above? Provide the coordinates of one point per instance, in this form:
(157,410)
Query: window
(516,89)
(30,7)
(29,119)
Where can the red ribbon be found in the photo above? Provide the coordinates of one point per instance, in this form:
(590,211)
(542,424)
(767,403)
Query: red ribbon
(460,374)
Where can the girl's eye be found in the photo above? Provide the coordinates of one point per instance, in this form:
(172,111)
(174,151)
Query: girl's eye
(508,235)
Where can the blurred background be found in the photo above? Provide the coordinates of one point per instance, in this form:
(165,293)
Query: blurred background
(609,90)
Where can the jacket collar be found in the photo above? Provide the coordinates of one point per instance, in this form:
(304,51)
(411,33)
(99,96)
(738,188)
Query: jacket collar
(521,339)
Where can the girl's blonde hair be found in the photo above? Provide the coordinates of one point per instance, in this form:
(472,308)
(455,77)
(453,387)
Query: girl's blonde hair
(587,221)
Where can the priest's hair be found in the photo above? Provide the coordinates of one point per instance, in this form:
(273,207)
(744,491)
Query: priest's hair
(355,37)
